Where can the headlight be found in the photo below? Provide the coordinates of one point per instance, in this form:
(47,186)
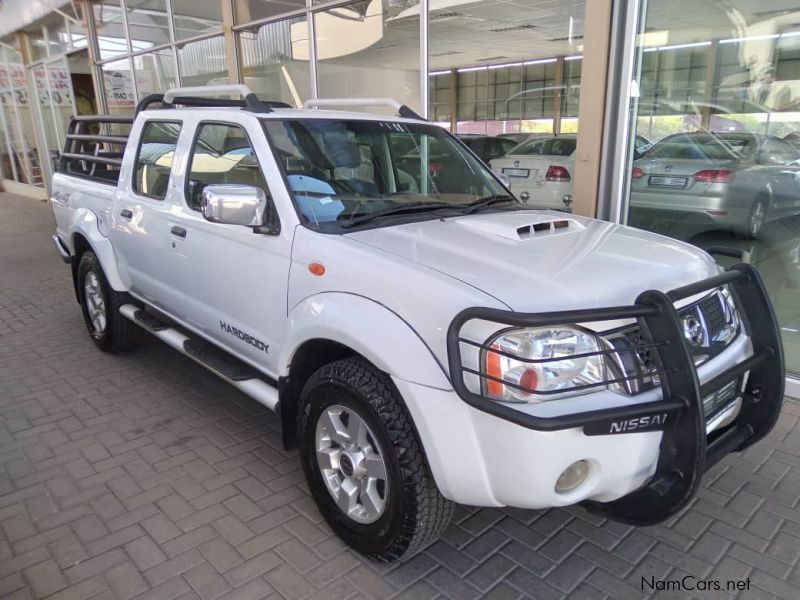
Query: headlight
(560,364)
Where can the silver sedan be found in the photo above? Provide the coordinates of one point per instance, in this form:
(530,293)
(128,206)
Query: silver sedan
(733,181)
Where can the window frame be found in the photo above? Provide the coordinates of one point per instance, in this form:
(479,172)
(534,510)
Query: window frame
(187,178)
(134,187)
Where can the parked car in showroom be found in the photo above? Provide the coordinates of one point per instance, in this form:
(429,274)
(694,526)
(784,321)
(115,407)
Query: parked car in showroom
(485,146)
(539,171)
(729,181)
(426,340)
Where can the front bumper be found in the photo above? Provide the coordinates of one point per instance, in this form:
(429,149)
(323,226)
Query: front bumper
(661,462)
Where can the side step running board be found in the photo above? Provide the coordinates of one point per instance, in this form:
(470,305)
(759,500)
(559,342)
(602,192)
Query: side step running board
(235,372)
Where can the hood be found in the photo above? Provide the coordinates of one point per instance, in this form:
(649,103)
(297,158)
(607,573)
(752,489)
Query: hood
(545,260)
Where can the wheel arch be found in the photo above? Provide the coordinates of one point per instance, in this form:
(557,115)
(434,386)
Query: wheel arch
(331,326)
(85,235)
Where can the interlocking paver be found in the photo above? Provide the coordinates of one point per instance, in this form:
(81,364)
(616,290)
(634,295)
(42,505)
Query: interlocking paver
(143,476)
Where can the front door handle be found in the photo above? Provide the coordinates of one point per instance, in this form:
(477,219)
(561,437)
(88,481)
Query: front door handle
(179,231)
(126,214)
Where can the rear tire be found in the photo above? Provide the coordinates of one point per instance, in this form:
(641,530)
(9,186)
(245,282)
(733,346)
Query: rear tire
(109,330)
(756,219)
(365,464)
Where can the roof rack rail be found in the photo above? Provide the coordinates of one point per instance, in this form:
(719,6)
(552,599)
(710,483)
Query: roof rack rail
(402,109)
(204,96)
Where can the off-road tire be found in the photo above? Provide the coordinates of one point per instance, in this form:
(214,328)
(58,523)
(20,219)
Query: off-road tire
(119,333)
(416,513)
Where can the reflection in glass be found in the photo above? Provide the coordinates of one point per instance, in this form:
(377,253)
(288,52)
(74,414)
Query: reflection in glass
(192,18)
(722,105)
(155,72)
(148,23)
(118,84)
(203,62)
(108,21)
(20,159)
(245,11)
(369,49)
(274,61)
(506,67)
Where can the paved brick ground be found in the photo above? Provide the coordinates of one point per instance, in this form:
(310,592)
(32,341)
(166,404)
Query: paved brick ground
(142,476)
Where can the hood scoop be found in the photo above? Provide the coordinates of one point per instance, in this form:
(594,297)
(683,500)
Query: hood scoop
(520,231)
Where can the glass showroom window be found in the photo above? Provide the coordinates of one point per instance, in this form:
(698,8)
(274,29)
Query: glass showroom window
(20,158)
(274,61)
(148,23)
(192,18)
(110,28)
(720,105)
(369,49)
(118,86)
(245,11)
(507,61)
(154,72)
(203,62)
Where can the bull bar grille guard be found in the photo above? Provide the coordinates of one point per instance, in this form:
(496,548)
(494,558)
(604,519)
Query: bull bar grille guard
(686,452)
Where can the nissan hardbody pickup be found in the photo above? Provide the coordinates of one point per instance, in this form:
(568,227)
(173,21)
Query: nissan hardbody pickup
(426,338)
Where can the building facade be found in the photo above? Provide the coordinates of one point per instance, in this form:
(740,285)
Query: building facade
(716,89)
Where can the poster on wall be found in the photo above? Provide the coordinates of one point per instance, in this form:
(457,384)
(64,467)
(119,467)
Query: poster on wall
(119,89)
(59,91)
(13,85)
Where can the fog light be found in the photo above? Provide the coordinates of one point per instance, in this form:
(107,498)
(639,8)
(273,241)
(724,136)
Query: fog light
(572,476)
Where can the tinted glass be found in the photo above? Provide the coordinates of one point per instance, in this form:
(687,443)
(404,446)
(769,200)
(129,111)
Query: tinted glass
(221,154)
(154,159)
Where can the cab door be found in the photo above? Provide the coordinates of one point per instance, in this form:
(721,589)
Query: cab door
(229,283)
(140,212)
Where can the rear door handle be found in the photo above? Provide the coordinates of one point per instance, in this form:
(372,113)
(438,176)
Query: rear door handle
(126,214)
(179,231)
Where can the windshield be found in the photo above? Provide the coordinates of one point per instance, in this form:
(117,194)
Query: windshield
(340,170)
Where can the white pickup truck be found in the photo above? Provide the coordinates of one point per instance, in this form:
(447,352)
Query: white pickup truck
(425,337)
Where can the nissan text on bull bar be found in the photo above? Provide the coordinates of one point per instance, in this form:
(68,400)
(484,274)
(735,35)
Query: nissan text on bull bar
(426,338)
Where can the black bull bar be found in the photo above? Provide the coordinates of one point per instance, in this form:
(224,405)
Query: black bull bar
(686,452)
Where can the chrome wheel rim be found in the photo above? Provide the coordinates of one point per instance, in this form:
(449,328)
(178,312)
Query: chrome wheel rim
(351,464)
(757,218)
(95,304)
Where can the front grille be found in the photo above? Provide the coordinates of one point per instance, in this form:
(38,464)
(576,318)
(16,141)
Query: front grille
(714,314)
(712,319)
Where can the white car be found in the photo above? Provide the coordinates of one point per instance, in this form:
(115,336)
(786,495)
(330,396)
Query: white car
(425,338)
(539,171)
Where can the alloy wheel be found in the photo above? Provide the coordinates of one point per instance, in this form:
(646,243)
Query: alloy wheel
(95,303)
(351,464)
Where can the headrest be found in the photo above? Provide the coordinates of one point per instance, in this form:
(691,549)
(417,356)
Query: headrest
(341,150)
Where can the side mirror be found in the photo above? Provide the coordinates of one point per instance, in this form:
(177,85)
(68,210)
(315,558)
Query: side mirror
(236,204)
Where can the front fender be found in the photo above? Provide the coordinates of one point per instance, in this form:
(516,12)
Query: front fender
(369,328)
(85,224)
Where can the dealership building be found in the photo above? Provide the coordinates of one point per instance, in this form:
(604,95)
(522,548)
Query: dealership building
(615,76)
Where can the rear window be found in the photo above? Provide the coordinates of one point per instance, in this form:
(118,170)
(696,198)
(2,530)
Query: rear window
(702,147)
(548,147)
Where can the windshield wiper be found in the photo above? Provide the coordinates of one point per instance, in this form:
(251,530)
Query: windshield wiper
(396,210)
(487,201)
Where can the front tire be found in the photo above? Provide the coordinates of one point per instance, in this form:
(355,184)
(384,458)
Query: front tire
(365,465)
(109,330)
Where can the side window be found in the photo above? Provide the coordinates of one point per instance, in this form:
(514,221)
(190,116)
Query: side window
(154,158)
(221,154)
